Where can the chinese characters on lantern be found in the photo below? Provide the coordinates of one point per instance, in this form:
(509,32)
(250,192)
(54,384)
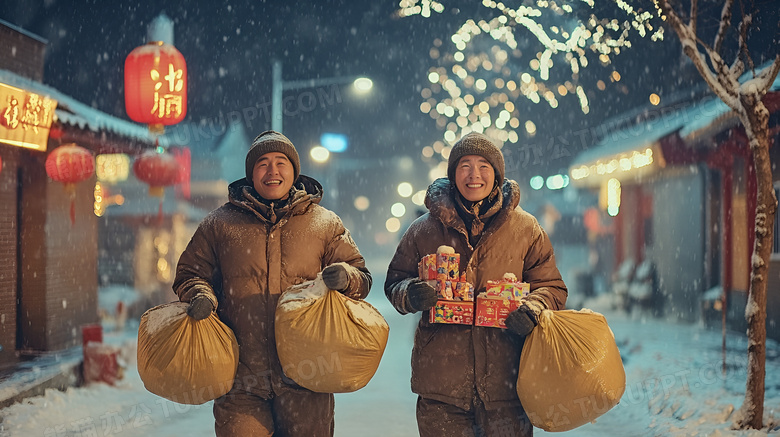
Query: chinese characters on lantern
(170,103)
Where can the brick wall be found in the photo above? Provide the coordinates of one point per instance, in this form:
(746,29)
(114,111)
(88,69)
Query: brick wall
(21,53)
(32,248)
(59,260)
(71,274)
(8,255)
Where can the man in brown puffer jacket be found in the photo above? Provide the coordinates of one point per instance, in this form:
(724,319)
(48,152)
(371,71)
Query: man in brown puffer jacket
(465,376)
(270,235)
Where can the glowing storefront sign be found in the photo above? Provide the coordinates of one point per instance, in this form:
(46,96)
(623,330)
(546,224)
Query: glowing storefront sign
(25,118)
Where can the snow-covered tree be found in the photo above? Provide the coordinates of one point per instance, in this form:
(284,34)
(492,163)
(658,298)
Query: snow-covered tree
(745,100)
(503,56)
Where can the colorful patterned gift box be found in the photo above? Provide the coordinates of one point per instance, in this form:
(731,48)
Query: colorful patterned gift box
(452,312)
(499,299)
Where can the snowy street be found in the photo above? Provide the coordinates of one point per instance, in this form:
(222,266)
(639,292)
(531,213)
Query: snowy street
(514,160)
(674,388)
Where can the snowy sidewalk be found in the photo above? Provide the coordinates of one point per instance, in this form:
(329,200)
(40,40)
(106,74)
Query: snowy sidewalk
(675,385)
(674,388)
(31,378)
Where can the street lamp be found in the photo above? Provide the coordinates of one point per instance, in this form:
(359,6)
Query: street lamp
(278,86)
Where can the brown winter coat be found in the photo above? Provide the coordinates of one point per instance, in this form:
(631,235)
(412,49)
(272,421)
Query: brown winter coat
(450,362)
(243,261)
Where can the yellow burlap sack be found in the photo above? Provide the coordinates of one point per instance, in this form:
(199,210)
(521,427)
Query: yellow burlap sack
(570,370)
(327,342)
(183,360)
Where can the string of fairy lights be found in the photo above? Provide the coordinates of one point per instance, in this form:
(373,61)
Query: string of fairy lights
(482,76)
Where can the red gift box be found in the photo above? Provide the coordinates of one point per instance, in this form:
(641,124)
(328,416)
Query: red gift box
(504,289)
(499,299)
(427,267)
(492,312)
(441,271)
(452,312)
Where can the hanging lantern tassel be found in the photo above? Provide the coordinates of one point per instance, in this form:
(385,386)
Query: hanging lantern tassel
(70,190)
(70,164)
(158,191)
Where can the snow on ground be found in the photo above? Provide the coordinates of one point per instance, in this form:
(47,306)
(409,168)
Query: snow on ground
(675,387)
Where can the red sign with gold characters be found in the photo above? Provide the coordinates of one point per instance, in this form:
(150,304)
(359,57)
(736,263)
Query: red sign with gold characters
(156,85)
(25,118)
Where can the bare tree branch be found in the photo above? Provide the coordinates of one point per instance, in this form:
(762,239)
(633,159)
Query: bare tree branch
(767,76)
(725,22)
(744,26)
(737,67)
(720,82)
(694,7)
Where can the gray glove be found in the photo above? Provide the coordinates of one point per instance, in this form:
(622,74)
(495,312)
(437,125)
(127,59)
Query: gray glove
(335,277)
(200,308)
(522,321)
(421,295)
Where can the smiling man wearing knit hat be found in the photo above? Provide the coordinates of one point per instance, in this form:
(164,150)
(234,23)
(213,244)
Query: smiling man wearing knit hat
(465,375)
(270,235)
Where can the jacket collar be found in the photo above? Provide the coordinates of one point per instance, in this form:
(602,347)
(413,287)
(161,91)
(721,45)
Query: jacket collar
(440,201)
(304,192)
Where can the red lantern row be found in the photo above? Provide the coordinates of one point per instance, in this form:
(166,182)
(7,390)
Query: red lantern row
(70,164)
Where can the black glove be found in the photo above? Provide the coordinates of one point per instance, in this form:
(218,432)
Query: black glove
(522,320)
(200,308)
(421,295)
(335,277)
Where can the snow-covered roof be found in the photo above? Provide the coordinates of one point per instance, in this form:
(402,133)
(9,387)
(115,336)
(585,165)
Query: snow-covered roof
(24,32)
(74,113)
(716,117)
(634,137)
(138,202)
(217,149)
(694,121)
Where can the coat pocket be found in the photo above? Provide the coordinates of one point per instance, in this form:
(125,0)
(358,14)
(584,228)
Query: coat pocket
(425,334)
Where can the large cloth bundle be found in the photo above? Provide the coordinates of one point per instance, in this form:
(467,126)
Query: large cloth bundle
(184,360)
(327,342)
(570,370)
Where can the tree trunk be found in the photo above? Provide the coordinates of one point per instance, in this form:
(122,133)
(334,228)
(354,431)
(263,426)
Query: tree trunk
(756,120)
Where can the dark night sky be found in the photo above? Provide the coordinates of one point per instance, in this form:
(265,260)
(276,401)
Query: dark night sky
(229,48)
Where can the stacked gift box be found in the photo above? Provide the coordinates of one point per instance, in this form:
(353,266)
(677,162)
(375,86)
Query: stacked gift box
(455,296)
(455,304)
(499,299)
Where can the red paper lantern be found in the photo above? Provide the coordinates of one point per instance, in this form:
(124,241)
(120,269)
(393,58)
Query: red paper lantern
(156,85)
(158,170)
(70,164)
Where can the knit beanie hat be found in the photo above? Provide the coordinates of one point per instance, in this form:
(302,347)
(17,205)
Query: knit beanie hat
(271,141)
(476,144)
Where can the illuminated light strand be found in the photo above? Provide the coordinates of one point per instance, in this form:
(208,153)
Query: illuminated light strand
(491,73)
(620,163)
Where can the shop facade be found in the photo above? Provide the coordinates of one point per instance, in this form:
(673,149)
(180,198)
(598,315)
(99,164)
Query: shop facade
(681,185)
(48,261)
